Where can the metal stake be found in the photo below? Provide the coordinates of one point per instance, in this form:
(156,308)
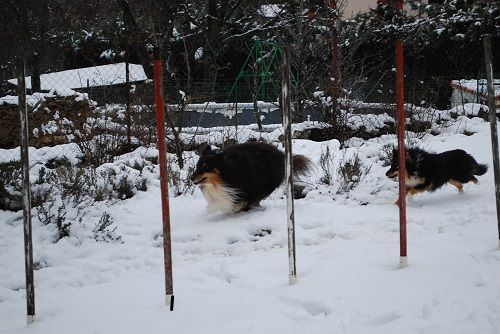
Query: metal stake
(162,155)
(493,123)
(287,124)
(28,243)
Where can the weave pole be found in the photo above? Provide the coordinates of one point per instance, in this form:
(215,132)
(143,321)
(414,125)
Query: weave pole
(493,123)
(287,124)
(162,155)
(403,259)
(28,243)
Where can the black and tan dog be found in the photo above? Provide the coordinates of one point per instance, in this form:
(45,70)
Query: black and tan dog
(237,178)
(429,171)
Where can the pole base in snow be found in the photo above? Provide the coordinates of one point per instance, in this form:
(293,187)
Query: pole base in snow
(292,280)
(169,301)
(30,319)
(403,261)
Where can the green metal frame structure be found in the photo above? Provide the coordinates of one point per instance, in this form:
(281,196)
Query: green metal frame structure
(262,66)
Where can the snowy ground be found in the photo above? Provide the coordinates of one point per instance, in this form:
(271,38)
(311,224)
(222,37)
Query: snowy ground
(231,271)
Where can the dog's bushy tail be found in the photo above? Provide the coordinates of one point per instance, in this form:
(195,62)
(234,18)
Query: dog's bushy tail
(301,165)
(479,169)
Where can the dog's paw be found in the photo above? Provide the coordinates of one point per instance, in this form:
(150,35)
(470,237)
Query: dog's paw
(257,208)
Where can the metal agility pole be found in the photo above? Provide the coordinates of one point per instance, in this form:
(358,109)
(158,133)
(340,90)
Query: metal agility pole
(287,124)
(162,160)
(28,243)
(403,259)
(493,123)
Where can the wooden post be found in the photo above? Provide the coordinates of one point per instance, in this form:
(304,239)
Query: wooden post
(162,160)
(28,243)
(401,146)
(287,124)
(493,123)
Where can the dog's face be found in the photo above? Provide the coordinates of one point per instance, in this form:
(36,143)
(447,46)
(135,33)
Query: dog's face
(208,167)
(394,169)
(411,158)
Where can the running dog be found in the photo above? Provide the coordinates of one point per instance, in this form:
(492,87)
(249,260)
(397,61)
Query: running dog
(429,171)
(237,178)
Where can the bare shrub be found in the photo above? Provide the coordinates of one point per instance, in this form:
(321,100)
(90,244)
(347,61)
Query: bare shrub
(144,125)
(385,154)
(103,231)
(102,138)
(179,179)
(101,149)
(45,204)
(10,187)
(327,166)
(350,173)
(124,188)
(79,187)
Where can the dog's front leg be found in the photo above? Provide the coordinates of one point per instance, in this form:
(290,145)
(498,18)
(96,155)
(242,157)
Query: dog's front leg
(457,184)
(240,206)
(408,191)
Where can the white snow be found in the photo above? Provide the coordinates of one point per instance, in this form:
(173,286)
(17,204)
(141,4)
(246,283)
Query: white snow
(477,86)
(271,10)
(466,91)
(36,98)
(198,54)
(9,99)
(230,272)
(227,109)
(108,54)
(96,76)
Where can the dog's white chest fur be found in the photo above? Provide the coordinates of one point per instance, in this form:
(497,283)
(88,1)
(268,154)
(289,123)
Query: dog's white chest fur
(413,181)
(219,197)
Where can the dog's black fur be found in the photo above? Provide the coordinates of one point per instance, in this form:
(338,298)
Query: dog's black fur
(427,171)
(240,176)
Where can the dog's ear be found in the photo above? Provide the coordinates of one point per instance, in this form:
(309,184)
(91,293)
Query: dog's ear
(206,150)
(409,155)
(394,152)
(219,153)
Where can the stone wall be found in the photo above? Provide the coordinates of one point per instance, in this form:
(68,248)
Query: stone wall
(52,121)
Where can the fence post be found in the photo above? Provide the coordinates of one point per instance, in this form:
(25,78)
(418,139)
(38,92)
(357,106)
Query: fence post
(162,155)
(287,124)
(236,115)
(129,116)
(28,243)
(335,80)
(493,123)
(403,260)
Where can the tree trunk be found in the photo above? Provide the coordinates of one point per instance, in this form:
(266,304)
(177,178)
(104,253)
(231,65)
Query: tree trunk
(256,111)
(35,72)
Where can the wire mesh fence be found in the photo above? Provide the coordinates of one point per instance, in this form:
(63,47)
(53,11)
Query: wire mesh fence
(110,108)
(100,112)
(91,116)
(71,107)
(85,116)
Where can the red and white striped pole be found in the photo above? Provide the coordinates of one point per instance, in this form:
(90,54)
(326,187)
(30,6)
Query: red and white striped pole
(401,146)
(162,160)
